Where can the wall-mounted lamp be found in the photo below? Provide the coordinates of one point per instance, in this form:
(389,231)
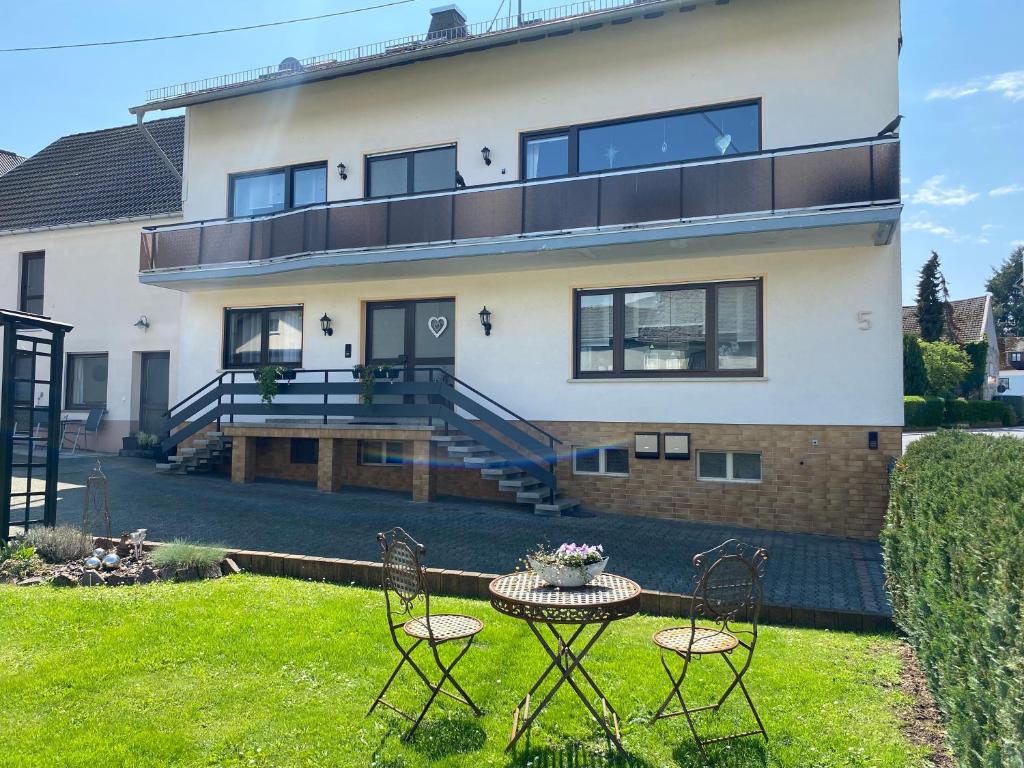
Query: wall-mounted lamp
(325,325)
(342,171)
(142,323)
(485,320)
(486,152)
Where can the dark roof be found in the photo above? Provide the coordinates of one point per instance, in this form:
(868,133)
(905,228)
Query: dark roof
(96,176)
(967,317)
(9,160)
(1009,344)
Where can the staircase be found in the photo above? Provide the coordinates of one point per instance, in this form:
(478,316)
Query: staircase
(202,455)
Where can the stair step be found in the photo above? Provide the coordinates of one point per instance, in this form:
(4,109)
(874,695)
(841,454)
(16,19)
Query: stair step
(468,448)
(485,461)
(451,439)
(214,435)
(537,495)
(559,507)
(186,451)
(200,443)
(519,484)
(501,472)
(168,467)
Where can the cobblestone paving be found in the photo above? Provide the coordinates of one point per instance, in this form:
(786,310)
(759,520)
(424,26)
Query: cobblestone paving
(804,571)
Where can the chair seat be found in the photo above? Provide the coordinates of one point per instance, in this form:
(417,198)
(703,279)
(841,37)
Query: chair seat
(695,640)
(445,626)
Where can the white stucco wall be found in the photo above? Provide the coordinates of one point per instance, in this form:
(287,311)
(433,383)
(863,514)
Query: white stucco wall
(811,305)
(826,71)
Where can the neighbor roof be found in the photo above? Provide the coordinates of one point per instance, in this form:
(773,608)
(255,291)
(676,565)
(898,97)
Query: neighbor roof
(968,320)
(1010,344)
(97,176)
(9,160)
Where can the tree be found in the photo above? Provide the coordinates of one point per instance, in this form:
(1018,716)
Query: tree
(973,384)
(931,310)
(915,376)
(947,366)
(1008,294)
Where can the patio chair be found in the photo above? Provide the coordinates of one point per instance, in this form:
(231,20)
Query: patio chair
(405,583)
(80,430)
(728,590)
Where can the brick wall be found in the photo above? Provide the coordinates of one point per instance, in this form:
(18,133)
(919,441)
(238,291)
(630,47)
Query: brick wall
(273,460)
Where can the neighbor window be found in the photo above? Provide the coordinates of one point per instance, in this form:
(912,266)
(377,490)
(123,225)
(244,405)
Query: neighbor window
(731,466)
(263,336)
(706,329)
(304,450)
(381,452)
(1015,357)
(608,460)
(32,273)
(650,140)
(86,381)
(423,170)
(276,190)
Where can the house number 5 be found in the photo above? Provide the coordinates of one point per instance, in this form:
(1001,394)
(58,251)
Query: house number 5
(864,320)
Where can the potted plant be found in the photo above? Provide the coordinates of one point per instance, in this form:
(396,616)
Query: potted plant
(367,374)
(570,565)
(130,443)
(267,378)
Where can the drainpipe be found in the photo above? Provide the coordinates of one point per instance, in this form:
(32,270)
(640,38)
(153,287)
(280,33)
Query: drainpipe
(156,145)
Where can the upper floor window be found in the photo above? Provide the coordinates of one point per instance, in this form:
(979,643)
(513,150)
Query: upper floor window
(276,190)
(404,173)
(262,336)
(32,273)
(640,141)
(707,329)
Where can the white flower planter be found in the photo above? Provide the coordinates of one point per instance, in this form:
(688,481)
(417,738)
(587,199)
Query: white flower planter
(566,576)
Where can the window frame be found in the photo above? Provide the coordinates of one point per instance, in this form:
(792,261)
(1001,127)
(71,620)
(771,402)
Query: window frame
(602,461)
(384,453)
(410,171)
(23,295)
(69,370)
(619,370)
(1016,357)
(264,337)
(729,467)
(572,131)
(289,187)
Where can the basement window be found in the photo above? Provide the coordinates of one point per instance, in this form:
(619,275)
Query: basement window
(380,453)
(729,466)
(305,450)
(611,461)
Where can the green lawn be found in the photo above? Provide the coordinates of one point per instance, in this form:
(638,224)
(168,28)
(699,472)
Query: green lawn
(260,671)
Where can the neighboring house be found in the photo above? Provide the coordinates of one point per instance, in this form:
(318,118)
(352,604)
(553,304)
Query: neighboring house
(658,198)
(967,321)
(9,161)
(69,222)
(1011,365)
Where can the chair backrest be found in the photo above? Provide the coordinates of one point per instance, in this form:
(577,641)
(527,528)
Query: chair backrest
(403,576)
(729,583)
(93,420)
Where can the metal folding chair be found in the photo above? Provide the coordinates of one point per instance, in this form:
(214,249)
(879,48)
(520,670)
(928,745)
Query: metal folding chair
(80,430)
(728,590)
(405,583)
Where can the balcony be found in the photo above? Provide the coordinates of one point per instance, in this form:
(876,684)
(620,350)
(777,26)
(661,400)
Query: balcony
(848,184)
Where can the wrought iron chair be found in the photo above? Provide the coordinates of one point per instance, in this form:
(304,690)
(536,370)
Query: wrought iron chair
(405,584)
(74,431)
(728,590)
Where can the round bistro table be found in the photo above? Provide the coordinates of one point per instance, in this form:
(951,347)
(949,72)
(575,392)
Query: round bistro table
(524,595)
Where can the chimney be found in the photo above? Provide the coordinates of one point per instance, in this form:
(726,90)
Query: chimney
(447,22)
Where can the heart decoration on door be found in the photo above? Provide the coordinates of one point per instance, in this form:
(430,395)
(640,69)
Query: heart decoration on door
(437,325)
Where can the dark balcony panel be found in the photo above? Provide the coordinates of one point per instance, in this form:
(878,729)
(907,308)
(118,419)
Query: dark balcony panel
(634,197)
(146,251)
(560,205)
(177,248)
(717,189)
(358,226)
(287,234)
(422,220)
(227,242)
(490,213)
(885,171)
(824,178)
(316,229)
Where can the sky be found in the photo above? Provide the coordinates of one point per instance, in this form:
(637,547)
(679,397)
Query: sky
(961,81)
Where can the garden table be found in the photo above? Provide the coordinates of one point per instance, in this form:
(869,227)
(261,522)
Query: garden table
(566,614)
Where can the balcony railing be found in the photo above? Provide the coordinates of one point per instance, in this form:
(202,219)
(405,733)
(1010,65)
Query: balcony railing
(848,174)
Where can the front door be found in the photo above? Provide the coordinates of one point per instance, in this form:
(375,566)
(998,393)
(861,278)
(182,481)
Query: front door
(153,391)
(416,335)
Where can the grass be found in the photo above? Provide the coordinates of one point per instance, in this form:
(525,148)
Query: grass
(262,671)
(185,554)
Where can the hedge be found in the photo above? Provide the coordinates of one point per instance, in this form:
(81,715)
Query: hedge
(954,556)
(929,412)
(923,411)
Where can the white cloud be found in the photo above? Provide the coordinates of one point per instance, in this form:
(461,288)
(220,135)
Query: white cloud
(932,192)
(990,227)
(1010,85)
(927,225)
(1016,243)
(1007,189)
(922,222)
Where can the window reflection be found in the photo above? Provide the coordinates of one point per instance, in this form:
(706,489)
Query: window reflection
(595,330)
(665,330)
(547,156)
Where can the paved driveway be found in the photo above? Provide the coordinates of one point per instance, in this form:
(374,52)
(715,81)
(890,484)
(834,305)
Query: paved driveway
(804,570)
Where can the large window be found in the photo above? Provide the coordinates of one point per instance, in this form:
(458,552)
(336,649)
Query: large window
(707,329)
(380,453)
(729,466)
(654,140)
(32,273)
(424,170)
(86,381)
(606,460)
(262,336)
(276,190)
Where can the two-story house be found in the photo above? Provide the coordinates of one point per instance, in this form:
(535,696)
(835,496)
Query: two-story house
(658,239)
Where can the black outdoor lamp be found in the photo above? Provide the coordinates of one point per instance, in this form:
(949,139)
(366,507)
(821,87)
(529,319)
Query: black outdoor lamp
(325,325)
(485,320)
(486,152)
(341,171)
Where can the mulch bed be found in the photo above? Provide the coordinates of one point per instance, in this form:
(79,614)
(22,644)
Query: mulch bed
(922,720)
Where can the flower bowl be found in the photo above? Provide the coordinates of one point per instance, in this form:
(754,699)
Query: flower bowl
(567,575)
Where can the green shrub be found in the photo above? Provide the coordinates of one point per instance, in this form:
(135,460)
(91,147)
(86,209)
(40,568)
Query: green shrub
(18,561)
(915,377)
(977,353)
(180,553)
(923,411)
(980,412)
(61,544)
(952,543)
(947,366)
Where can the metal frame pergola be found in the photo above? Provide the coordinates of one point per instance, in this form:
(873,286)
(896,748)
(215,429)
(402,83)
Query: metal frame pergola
(37,339)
